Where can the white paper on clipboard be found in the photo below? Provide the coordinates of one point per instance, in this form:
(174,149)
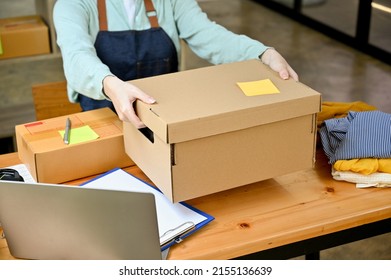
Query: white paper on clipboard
(174,219)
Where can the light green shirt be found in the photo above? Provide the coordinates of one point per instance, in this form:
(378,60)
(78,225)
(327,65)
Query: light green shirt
(77,25)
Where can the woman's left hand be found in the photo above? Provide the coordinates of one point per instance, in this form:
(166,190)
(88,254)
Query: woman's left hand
(276,62)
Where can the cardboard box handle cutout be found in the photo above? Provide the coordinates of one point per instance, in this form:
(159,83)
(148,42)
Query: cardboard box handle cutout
(148,133)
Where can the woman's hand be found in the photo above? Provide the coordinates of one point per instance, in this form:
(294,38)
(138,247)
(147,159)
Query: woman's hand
(276,62)
(123,95)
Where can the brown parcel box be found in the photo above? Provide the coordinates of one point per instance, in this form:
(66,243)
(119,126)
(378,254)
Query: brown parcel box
(49,160)
(208,136)
(23,36)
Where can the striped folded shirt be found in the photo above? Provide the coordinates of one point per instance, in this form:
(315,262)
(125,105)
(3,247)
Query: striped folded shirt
(358,135)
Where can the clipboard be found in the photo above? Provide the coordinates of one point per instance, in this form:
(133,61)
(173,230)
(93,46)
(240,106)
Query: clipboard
(179,238)
(176,221)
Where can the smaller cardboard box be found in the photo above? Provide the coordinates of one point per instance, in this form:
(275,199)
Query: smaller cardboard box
(49,160)
(205,135)
(23,36)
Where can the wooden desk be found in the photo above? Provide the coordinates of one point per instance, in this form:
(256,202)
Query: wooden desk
(291,215)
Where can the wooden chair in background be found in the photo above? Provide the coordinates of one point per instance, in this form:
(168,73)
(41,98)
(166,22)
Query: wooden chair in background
(51,100)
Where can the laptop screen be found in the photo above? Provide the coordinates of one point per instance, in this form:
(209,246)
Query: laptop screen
(47,221)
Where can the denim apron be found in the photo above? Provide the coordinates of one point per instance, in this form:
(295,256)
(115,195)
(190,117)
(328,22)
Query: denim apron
(132,54)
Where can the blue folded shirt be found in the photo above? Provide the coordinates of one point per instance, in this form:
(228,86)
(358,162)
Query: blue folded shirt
(358,135)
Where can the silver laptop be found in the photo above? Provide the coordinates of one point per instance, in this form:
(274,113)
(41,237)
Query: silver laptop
(47,221)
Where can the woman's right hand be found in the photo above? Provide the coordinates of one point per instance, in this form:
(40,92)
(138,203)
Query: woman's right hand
(123,95)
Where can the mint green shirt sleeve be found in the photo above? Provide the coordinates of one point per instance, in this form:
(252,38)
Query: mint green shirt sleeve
(76,23)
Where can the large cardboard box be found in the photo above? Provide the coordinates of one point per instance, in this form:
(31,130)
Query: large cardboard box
(208,136)
(41,147)
(23,36)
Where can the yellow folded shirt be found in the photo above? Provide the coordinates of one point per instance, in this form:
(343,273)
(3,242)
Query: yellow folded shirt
(385,165)
(364,166)
(332,110)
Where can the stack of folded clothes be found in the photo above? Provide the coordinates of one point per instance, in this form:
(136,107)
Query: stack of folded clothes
(359,147)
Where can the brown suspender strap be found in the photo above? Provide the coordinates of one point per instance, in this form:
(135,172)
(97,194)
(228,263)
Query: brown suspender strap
(102,15)
(151,13)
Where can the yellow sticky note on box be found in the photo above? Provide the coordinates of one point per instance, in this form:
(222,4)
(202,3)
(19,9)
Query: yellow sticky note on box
(80,134)
(260,87)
